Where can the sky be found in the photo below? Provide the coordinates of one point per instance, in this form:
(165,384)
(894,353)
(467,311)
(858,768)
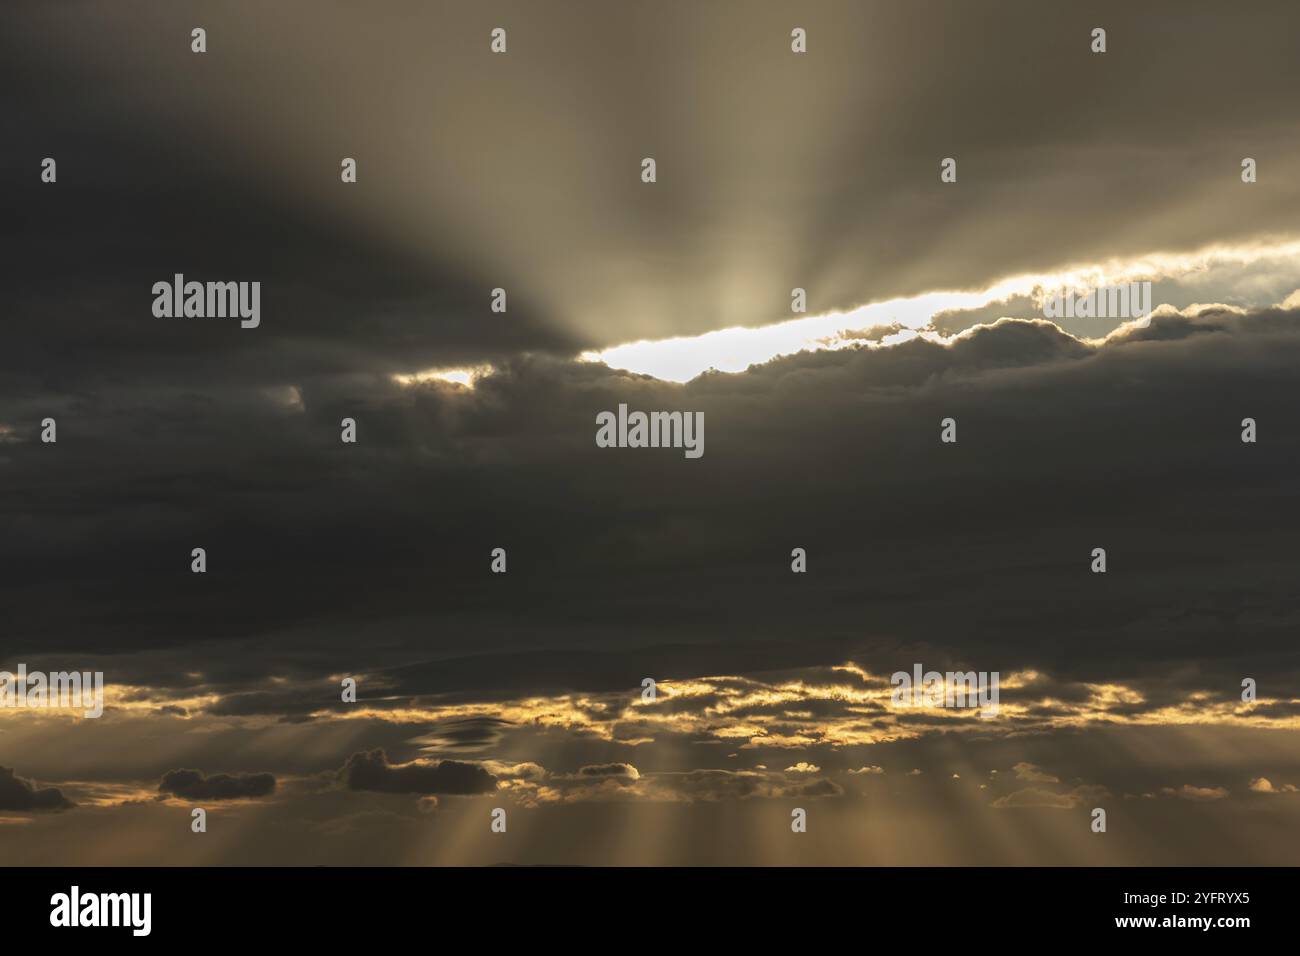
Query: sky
(476,430)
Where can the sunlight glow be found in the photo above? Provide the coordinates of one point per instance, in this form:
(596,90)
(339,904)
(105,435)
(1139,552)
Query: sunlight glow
(735,349)
(464,377)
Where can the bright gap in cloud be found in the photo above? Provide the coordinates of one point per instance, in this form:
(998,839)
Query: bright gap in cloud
(464,377)
(735,349)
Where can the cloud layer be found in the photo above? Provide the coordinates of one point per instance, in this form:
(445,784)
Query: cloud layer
(372,561)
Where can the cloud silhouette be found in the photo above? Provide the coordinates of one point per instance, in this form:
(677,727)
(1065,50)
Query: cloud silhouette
(195,785)
(371,770)
(19,794)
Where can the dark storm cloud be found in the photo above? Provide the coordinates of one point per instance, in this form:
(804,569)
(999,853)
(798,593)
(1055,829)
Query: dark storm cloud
(372,771)
(195,785)
(22,795)
(372,560)
(327,559)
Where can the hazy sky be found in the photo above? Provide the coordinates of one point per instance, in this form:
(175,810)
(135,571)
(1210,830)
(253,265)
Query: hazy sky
(522,690)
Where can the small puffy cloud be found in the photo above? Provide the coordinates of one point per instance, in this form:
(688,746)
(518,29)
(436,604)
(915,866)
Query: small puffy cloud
(611,770)
(194,785)
(19,794)
(873,769)
(1264,785)
(1031,774)
(803,767)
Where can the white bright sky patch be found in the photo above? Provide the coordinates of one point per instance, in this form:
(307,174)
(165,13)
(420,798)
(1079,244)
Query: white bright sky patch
(735,349)
(456,376)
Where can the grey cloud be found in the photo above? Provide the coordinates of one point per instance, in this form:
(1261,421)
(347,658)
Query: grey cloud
(463,735)
(608,770)
(1199,794)
(975,548)
(819,788)
(1034,797)
(19,794)
(372,771)
(1031,774)
(195,785)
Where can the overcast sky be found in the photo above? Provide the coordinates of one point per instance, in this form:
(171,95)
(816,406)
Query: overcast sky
(523,690)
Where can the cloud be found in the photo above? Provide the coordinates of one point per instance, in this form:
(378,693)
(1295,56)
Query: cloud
(1197,794)
(1010,380)
(1034,797)
(1264,785)
(819,788)
(708,784)
(1031,774)
(23,795)
(370,770)
(195,785)
(610,770)
(463,735)
(631,563)
(1042,797)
